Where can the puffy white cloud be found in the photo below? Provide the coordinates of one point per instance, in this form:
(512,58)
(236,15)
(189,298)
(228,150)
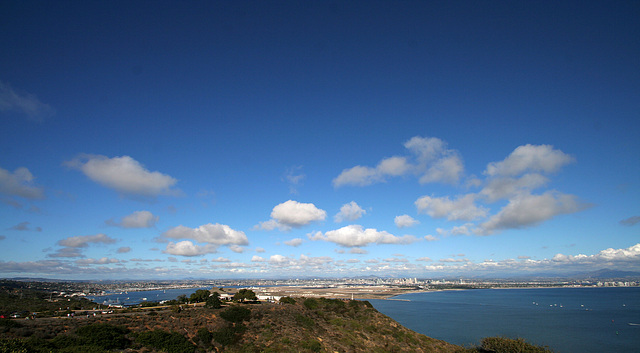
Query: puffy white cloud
(294,242)
(425,259)
(404,221)
(393,166)
(124,249)
(256,258)
(236,248)
(356,236)
(100,261)
(82,241)
(23,103)
(20,183)
(279,260)
(507,187)
(527,210)
(293,214)
(260,250)
(432,159)
(188,248)
(463,208)
(447,170)
(125,175)
(536,158)
(349,212)
(358,176)
(430,237)
(218,234)
(359,251)
(138,219)
(630,221)
(630,254)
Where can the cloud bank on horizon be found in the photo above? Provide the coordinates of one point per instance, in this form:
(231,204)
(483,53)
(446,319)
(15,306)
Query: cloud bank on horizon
(278,140)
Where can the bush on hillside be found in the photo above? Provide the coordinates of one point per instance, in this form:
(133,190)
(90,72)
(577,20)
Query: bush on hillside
(508,345)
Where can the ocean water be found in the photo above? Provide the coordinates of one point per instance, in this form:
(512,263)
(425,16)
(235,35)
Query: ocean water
(564,319)
(132,298)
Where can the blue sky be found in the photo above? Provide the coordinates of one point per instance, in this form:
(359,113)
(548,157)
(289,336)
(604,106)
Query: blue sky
(283,139)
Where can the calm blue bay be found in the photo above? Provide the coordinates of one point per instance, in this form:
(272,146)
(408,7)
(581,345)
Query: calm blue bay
(137,297)
(564,319)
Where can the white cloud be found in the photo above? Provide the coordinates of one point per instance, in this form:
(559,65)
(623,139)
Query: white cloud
(349,212)
(430,237)
(218,234)
(507,187)
(293,214)
(447,170)
(24,103)
(359,251)
(20,183)
(125,175)
(536,158)
(138,219)
(425,259)
(279,260)
(527,210)
(433,160)
(393,166)
(405,221)
(82,241)
(356,236)
(260,250)
(236,248)
(100,261)
(358,176)
(124,249)
(294,242)
(67,252)
(220,259)
(188,248)
(463,208)
(257,258)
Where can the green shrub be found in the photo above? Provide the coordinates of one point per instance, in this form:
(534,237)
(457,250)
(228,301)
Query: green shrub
(507,345)
(13,346)
(170,342)
(312,345)
(229,334)
(311,303)
(304,321)
(236,314)
(287,300)
(204,336)
(104,335)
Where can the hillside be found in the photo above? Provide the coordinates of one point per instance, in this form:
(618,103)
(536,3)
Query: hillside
(311,325)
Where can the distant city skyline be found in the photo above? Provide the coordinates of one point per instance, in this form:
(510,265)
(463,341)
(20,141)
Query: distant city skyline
(280,139)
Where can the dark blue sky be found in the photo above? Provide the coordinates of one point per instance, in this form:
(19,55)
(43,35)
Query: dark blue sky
(217,113)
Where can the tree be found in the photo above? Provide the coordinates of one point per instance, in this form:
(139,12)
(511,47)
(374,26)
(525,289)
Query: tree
(244,294)
(287,300)
(200,295)
(213,302)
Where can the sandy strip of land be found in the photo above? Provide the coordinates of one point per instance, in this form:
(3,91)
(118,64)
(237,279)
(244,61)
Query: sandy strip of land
(346,292)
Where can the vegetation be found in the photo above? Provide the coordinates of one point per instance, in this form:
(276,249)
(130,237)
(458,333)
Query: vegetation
(244,294)
(213,302)
(508,345)
(302,325)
